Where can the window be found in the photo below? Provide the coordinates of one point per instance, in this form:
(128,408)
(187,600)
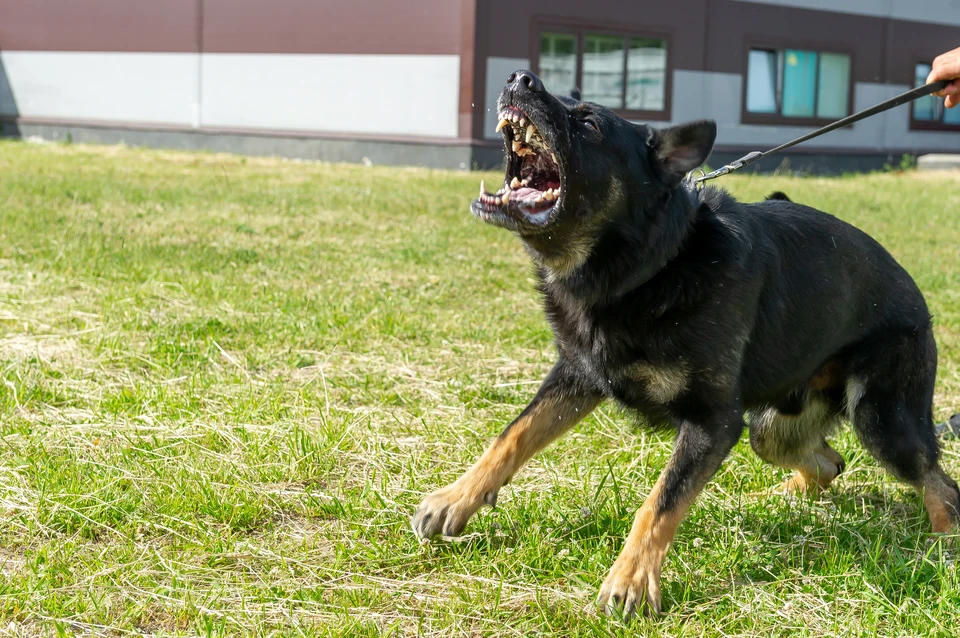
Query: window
(791,83)
(929,111)
(627,74)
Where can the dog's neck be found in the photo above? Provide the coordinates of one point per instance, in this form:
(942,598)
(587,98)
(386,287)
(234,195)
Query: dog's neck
(626,253)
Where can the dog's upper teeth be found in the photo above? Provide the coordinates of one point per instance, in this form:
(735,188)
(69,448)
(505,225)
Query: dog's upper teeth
(516,118)
(530,132)
(503,122)
(516,145)
(515,183)
(523,121)
(506,196)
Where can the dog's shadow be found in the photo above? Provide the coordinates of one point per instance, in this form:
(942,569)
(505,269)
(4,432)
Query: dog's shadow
(814,547)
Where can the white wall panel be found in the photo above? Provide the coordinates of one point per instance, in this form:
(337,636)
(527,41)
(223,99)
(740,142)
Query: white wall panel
(119,87)
(414,95)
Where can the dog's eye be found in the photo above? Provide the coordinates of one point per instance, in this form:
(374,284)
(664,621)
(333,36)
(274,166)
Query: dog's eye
(591,124)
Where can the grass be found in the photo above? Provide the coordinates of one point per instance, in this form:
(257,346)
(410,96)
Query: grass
(227,382)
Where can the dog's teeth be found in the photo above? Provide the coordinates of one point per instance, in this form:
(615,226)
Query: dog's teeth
(530,131)
(506,196)
(516,118)
(516,145)
(525,182)
(483,188)
(523,121)
(538,200)
(503,122)
(496,200)
(553,156)
(515,183)
(549,196)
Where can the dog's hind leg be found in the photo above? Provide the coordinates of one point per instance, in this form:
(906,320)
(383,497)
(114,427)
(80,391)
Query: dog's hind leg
(889,399)
(796,442)
(701,446)
(559,404)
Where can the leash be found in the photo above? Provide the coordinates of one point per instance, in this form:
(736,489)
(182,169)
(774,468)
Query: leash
(755,156)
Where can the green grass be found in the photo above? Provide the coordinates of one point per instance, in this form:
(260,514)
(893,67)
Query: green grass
(227,383)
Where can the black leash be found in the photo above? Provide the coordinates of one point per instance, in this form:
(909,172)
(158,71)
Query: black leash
(754,156)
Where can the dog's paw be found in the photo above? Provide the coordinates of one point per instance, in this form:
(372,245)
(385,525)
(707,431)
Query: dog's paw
(447,511)
(632,586)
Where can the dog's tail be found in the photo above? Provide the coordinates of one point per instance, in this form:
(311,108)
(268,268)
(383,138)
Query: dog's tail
(779,195)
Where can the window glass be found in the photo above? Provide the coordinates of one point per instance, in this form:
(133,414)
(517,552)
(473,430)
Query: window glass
(834,89)
(558,62)
(951,116)
(646,74)
(799,82)
(762,81)
(603,62)
(925,108)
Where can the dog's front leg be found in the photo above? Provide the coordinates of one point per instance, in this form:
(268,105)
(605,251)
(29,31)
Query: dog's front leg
(698,452)
(558,405)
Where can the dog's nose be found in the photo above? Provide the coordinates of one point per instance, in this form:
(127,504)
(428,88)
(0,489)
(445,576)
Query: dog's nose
(524,80)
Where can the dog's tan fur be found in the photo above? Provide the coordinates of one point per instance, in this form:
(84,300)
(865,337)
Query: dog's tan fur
(548,416)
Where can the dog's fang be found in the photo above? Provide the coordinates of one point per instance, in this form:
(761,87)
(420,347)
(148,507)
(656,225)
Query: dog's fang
(502,123)
(506,196)
(530,132)
(515,183)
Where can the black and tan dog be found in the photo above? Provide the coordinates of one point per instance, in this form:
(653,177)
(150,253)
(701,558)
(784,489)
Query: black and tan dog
(691,308)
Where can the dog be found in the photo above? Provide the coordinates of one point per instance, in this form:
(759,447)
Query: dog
(692,309)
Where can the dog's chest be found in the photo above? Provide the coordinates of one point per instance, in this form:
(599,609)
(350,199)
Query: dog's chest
(609,350)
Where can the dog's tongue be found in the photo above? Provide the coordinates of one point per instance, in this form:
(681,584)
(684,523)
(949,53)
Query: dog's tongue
(525,192)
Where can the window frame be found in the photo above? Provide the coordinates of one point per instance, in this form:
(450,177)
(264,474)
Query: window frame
(927,125)
(580,29)
(779,119)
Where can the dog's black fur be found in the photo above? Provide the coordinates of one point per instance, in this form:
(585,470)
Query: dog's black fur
(692,308)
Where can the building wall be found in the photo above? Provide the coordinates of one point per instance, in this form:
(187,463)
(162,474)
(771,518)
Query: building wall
(420,79)
(303,66)
(708,45)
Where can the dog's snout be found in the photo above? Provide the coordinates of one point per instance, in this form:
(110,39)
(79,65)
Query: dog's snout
(524,80)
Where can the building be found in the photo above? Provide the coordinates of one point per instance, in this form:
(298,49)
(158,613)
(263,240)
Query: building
(415,81)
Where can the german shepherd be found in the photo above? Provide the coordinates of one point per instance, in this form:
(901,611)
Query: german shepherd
(692,308)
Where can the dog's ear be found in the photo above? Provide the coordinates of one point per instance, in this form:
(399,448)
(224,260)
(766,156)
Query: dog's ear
(680,149)
(575,93)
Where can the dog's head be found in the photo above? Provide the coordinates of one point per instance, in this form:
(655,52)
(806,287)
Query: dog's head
(573,167)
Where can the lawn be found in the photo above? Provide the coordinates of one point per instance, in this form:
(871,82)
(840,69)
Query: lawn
(228,381)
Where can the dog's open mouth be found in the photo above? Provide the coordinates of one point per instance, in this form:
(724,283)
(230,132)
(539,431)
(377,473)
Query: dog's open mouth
(532,183)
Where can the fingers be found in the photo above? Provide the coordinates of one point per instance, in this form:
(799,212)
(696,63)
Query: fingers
(952,100)
(946,67)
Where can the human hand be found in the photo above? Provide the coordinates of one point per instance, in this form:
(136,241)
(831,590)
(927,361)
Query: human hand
(947,67)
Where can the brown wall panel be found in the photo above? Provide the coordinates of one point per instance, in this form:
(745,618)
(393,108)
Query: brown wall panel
(100,25)
(732,24)
(912,42)
(509,23)
(332,26)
